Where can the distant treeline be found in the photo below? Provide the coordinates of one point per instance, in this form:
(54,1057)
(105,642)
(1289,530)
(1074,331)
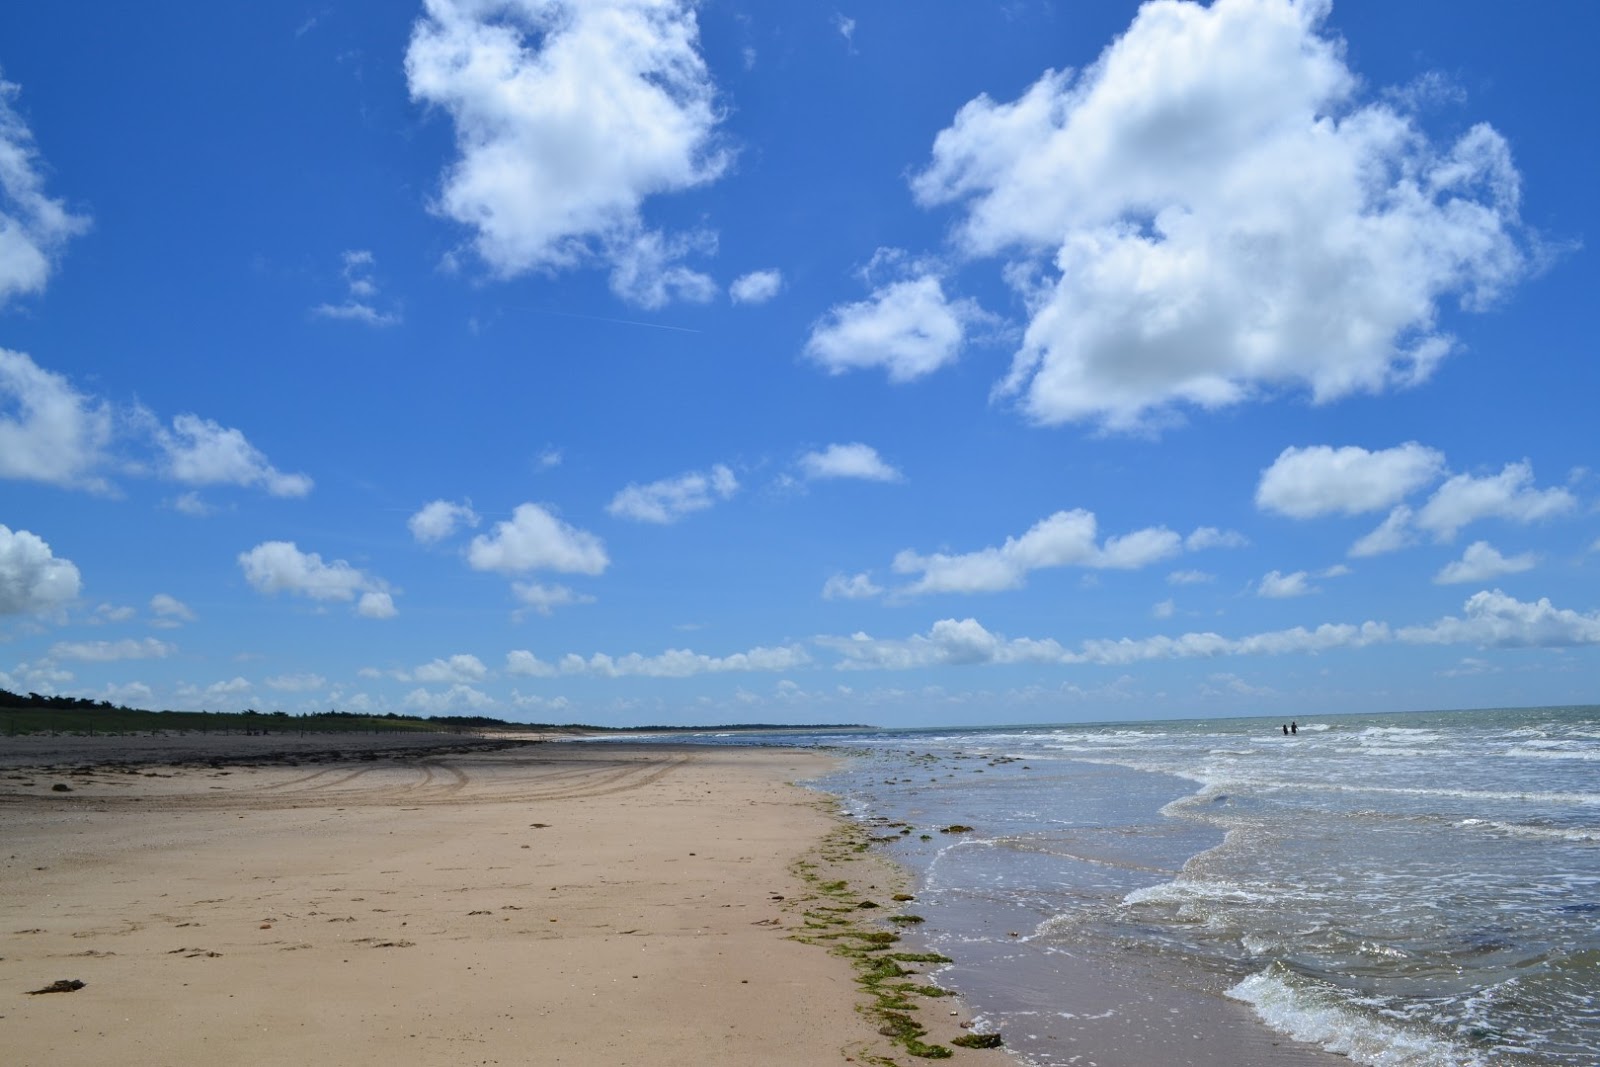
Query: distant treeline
(37,713)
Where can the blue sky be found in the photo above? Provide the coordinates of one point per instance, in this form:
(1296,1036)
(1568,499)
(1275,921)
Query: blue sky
(642,361)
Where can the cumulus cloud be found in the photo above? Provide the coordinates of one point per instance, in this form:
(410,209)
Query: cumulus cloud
(1205,537)
(648,270)
(850,587)
(1508,495)
(376,604)
(111,651)
(438,519)
(1190,578)
(280,567)
(361,293)
(169,610)
(848,461)
(567,117)
(1481,562)
(909,328)
(49,432)
(1491,619)
(1210,214)
(1066,538)
(34,227)
(33,580)
(544,599)
(671,499)
(1494,620)
(296,683)
(462,667)
(1279,586)
(534,539)
(1304,483)
(460,697)
(201,452)
(683,663)
(522,662)
(1392,534)
(757,287)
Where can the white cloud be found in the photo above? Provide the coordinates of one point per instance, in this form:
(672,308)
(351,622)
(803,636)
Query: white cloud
(110,651)
(361,291)
(1066,538)
(850,587)
(105,613)
(462,667)
(201,452)
(848,461)
(1190,578)
(33,580)
(1507,495)
(1164,610)
(646,270)
(34,228)
(544,599)
(534,539)
(439,519)
(456,698)
(1496,620)
(170,609)
(757,287)
(909,328)
(297,683)
(1304,483)
(846,27)
(1278,586)
(522,662)
(671,499)
(1205,537)
(567,117)
(48,431)
(683,663)
(376,604)
(949,642)
(280,567)
(1482,563)
(192,505)
(1491,619)
(1393,534)
(1222,218)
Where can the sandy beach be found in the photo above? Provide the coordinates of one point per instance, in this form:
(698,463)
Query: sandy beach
(288,901)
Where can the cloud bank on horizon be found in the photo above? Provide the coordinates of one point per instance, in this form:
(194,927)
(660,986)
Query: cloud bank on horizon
(518,346)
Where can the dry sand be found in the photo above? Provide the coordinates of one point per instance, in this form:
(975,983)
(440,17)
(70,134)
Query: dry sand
(395,900)
(549,904)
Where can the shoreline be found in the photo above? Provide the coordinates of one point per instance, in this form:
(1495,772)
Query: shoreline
(456,901)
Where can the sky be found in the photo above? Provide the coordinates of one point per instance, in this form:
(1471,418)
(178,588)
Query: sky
(658,362)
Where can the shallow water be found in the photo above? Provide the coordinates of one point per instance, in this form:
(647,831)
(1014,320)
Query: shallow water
(1411,890)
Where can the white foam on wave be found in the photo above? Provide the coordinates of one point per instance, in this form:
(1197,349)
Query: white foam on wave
(1296,1006)
(1534,750)
(1389,735)
(1549,833)
(1186,892)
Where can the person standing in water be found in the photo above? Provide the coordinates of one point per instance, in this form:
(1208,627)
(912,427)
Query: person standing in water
(1286,731)
(1294,727)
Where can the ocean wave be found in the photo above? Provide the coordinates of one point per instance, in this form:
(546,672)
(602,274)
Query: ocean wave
(1557,833)
(1314,1012)
(1184,892)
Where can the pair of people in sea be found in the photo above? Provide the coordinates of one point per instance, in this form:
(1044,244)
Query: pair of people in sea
(1291,728)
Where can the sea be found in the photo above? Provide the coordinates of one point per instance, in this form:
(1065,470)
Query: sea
(1408,890)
